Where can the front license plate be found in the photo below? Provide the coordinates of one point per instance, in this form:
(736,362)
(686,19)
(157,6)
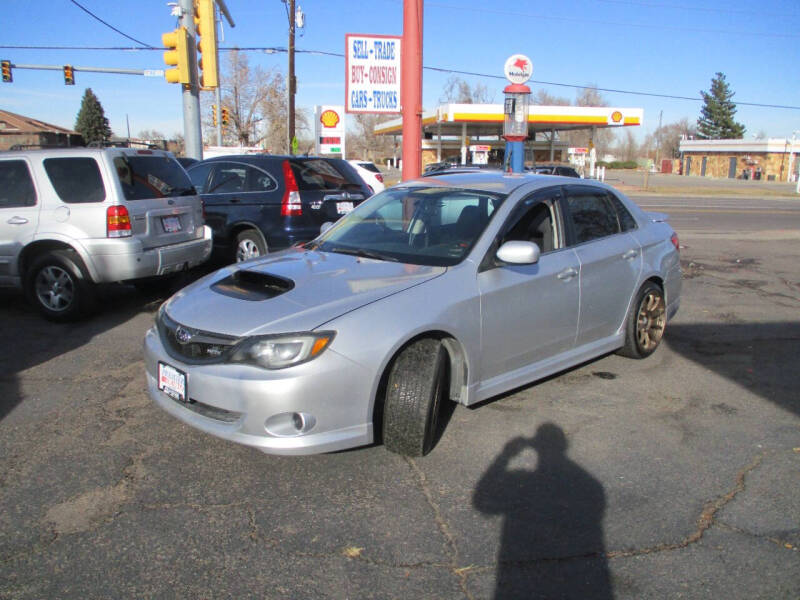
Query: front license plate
(344,207)
(171,224)
(172,382)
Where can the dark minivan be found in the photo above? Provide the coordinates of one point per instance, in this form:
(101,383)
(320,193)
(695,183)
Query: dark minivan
(259,203)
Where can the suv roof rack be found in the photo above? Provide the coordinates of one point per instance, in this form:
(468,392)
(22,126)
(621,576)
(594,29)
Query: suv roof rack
(39,146)
(127,144)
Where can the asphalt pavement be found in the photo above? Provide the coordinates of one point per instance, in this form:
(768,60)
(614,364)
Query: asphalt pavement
(677,476)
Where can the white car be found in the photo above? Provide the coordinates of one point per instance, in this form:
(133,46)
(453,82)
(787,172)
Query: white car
(370,174)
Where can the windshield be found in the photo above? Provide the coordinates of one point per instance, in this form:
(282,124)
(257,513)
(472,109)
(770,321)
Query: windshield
(144,177)
(420,225)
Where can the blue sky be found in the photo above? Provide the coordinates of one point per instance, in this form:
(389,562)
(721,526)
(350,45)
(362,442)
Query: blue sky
(670,47)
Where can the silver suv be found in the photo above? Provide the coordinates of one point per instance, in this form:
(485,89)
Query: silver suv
(72,218)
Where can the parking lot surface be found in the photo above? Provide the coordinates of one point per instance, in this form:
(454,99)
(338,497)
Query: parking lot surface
(672,477)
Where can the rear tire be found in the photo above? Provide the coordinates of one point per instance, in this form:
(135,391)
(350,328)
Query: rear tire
(415,389)
(646,322)
(59,286)
(249,245)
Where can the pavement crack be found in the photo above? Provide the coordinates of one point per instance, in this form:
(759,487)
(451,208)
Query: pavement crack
(455,568)
(704,521)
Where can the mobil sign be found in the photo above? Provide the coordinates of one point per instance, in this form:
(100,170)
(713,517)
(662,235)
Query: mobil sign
(329,130)
(372,73)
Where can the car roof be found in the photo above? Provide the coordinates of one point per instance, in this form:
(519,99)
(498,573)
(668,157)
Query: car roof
(83,151)
(261,158)
(495,181)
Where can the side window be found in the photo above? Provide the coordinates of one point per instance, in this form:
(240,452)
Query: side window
(76,180)
(228,178)
(259,181)
(534,225)
(626,220)
(199,176)
(592,215)
(16,185)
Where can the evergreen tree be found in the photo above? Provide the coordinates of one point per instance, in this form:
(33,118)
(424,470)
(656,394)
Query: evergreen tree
(716,117)
(91,122)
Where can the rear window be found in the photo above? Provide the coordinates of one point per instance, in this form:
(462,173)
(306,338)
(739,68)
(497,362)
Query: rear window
(76,180)
(159,176)
(369,167)
(318,174)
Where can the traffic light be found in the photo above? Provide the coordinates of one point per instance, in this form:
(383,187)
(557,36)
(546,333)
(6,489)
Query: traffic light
(214,114)
(178,55)
(8,77)
(69,75)
(207,46)
(226,115)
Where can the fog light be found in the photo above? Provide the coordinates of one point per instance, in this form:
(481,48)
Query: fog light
(290,424)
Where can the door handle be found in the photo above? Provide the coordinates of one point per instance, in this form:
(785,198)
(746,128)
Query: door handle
(17,221)
(567,274)
(630,254)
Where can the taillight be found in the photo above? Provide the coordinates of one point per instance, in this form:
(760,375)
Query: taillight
(379,177)
(291,206)
(674,239)
(118,222)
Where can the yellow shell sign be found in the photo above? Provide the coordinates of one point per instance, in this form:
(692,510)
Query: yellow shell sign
(616,116)
(329,118)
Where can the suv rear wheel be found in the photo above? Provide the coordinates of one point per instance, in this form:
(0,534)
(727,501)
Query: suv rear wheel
(58,285)
(249,245)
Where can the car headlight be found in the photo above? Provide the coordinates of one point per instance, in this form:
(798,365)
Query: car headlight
(281,351)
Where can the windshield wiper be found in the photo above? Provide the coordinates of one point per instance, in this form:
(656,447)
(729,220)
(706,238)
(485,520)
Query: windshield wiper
(362,253)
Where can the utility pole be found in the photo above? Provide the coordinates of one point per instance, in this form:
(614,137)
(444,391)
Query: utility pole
(192,131)
(290,86)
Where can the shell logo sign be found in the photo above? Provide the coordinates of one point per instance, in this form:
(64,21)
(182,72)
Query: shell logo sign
(616,118)
(329,118)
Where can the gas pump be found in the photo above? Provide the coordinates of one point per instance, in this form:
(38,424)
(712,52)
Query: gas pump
(518,70)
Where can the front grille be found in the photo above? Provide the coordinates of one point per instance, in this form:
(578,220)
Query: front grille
(192,345)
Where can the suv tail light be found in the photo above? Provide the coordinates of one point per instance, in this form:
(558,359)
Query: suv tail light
(118,222)
(674,239)
(379,177)
(291,205)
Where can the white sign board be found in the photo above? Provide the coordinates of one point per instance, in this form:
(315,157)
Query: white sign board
(329,130)
(372,72)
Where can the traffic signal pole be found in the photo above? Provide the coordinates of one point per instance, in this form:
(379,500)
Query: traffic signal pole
(192,131)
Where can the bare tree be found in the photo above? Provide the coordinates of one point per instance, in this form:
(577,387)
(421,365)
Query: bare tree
(543,98)
(459,91)
(628,148)
(669,137)
(363,142)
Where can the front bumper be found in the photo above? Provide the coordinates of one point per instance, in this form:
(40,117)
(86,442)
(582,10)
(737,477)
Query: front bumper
(235,402)
(124,259)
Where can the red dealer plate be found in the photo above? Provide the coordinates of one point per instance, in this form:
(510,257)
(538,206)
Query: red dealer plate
(171,224)
(172,382)
(344,207)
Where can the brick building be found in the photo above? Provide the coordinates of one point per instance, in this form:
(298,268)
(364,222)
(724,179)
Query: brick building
(741,159)
(20,130)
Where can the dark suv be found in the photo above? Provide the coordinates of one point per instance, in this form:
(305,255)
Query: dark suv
(257,203)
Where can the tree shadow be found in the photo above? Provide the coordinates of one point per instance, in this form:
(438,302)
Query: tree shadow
(552,541)
(761,357)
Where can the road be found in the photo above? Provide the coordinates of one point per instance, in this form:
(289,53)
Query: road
(672,477)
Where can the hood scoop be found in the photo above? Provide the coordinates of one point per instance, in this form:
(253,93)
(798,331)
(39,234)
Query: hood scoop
(252,285)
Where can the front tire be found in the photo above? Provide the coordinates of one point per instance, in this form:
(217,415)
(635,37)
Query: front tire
(249,245)
(646,322)
(415,389)
(57,283)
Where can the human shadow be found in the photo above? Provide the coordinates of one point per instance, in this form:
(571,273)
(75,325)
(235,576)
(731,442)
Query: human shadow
(552,541)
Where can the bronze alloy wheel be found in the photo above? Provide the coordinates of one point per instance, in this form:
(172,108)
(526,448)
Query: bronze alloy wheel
(651,320)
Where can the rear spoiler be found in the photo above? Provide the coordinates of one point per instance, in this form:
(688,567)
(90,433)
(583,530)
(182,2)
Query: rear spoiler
(657,217)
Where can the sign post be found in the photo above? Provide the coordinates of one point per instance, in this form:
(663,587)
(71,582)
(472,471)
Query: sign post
(329,130)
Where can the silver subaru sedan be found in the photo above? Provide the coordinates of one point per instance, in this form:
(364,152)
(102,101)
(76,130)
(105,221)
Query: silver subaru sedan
(451,288)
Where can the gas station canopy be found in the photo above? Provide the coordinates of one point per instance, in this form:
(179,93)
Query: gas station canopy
(487,119)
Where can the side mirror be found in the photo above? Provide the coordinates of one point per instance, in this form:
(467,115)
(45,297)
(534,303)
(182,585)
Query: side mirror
(325,226)
(519,253)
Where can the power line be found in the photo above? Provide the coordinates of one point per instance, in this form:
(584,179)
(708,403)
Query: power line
(280,49)
(109,25)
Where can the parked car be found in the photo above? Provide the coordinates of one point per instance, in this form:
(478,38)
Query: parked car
(370,174)
(259,203)
(459,288)
(562,170)
(72,218)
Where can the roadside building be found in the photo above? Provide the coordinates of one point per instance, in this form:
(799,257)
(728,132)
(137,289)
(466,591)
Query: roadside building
(26,131)
(772,159)
(471,133)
